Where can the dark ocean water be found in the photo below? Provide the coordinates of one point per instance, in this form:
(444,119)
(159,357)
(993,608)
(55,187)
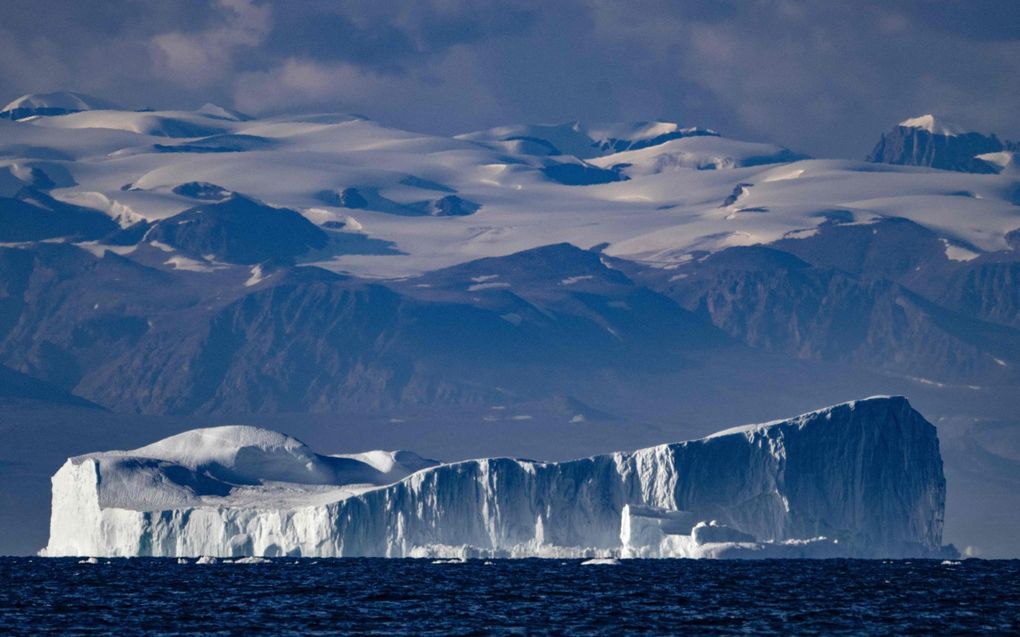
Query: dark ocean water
(418,597)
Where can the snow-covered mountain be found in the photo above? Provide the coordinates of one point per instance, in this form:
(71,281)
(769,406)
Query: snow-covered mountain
(862,479)
(656,192)
(245,213)
(927,141)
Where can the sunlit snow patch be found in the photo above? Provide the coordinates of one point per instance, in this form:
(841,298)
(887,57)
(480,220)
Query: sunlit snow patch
(956,252)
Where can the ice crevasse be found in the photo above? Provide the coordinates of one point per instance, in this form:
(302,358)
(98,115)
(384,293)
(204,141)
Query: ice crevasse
(860,479)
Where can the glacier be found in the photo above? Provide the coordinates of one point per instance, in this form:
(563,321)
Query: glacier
(859,479)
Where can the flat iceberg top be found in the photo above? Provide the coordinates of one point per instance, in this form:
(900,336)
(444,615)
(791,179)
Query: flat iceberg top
(804,419)
(245,466)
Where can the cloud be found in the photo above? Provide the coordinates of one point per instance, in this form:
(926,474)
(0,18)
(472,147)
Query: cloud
(203,58)
(415,98)
(824,78)
(297,82)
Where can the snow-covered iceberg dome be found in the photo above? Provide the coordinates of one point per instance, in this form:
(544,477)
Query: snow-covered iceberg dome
(861,479)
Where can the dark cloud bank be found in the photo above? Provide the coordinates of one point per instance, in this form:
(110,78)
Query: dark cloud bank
(823,77)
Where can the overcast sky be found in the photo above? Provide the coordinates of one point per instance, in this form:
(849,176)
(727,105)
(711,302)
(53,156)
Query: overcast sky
(824,78)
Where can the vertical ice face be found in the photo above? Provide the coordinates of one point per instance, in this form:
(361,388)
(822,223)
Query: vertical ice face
(868,473)
(858,479)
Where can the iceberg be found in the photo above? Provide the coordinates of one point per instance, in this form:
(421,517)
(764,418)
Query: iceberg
(859,479)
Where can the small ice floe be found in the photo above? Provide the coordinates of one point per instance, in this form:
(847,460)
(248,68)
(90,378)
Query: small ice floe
(206,559)
(91,560)
(251,560)
(181,560)
(601,561)
(456,560)
(950,563)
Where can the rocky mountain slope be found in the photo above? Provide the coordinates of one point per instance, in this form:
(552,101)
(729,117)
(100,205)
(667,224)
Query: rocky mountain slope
(206,261)
(926,141)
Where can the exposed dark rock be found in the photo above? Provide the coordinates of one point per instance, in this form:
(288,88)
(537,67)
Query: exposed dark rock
(65,312)
(782,156)
(893,248)
(581,174)
(613,145)
(201,190)
(452,206)
(21,113)
(910,146)
(370,199)
(51,105)
(32,215)
(738,191)
(347,198)
(985,289)
(128,236)
(180,128)
(351,198)
(1014,195)
(21,389)
(305,339)
(524,327)
(782,304)
(239,230)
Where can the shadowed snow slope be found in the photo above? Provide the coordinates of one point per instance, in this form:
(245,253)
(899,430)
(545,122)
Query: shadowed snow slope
(47,104)
(860,479)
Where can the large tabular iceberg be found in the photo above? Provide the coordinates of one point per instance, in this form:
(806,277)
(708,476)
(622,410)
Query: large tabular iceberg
(861,479)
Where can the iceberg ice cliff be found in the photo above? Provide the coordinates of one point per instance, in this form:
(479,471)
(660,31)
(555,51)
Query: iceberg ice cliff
(860,479)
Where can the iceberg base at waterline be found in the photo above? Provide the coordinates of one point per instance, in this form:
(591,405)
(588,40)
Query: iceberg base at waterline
(860,479)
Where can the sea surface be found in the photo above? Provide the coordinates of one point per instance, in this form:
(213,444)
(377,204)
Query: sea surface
(423,597)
